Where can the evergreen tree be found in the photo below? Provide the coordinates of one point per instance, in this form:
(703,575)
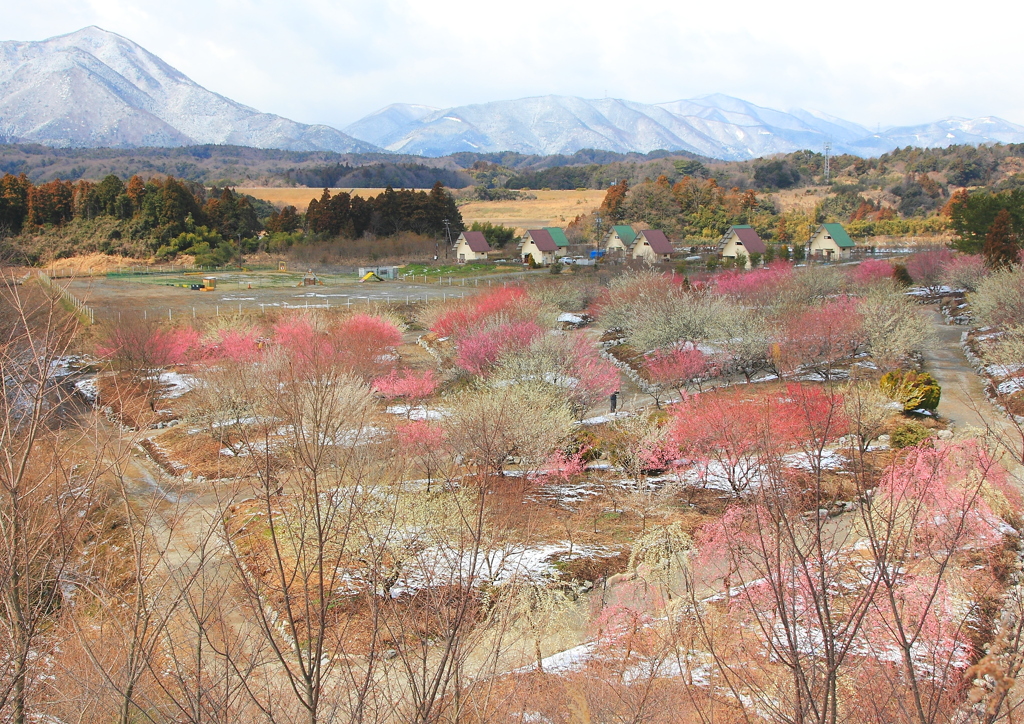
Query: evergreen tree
(1001,247)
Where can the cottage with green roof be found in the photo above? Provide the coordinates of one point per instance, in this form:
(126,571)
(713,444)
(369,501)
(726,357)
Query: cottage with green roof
(559,237)
(830,242)
(619,240)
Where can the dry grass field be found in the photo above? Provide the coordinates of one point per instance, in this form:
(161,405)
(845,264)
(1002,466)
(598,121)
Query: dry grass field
(550,208)
(801,200)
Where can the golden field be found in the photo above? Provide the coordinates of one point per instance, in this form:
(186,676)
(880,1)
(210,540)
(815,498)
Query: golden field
(550,208)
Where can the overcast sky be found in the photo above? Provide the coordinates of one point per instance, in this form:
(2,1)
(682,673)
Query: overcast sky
(891,62)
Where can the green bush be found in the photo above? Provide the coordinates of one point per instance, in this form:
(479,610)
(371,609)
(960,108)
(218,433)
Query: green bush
(901,275)
(908,435)
(913,390)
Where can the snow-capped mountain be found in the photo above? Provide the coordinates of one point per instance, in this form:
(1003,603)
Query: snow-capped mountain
(717,126)
(94,88)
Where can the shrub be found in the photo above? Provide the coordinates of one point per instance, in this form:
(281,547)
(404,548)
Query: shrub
(1000,298)
(901,275)
(908,435)
(913,390)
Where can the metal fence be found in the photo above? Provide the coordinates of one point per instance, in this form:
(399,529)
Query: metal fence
(81,308)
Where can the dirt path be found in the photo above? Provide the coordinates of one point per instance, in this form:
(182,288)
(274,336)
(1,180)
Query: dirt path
(964,402)
(963,394)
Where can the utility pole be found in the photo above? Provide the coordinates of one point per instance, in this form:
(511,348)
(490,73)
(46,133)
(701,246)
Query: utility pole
(447,235)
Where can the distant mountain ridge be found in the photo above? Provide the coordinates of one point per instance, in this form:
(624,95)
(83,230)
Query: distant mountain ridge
(93,88)
(96,89)
(717,126)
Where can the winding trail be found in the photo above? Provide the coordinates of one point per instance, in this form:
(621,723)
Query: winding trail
(963,393)
(964,402)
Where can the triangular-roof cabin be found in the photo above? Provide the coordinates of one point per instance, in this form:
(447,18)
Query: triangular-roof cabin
(651,245)
(740,239)
(619,239)
(539,244)
(830,241)
(472,246)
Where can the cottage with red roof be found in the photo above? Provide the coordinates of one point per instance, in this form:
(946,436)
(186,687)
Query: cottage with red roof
(539,244)
(652,246)
(740,239)
(471,246)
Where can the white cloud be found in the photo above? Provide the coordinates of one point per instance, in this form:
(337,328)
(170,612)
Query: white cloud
(335,61)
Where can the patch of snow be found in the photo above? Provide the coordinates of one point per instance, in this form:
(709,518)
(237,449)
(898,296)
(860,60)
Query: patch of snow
(1010,386)
(88,389)
(416,413)
(437,566)
(1003,370)
(601,419)
(175,384)
(830,460)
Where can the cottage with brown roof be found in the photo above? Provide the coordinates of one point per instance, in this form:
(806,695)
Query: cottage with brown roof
(740,239)
(652,246)
(537,243)
(472,246)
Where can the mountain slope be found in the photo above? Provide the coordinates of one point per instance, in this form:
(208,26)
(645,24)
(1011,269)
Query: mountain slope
(717,126)
(94,88)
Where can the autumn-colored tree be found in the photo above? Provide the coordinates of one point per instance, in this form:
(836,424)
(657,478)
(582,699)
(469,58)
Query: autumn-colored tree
(284,221)
(136,189)
(611,206)
(51,203)
(1001,247)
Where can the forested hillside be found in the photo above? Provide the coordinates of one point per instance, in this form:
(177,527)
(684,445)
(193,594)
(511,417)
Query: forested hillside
(167,216)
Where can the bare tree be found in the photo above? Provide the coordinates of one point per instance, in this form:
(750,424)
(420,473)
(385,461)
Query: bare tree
(52,457)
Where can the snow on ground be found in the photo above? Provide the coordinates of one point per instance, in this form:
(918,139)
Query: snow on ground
(567,318)
(569,660)
(830,460)
(565,492)
(175,384)
(926,292)
(416,413)
(600,419)
(1014,384)
(1002,370)
(437,566)
(88,388)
